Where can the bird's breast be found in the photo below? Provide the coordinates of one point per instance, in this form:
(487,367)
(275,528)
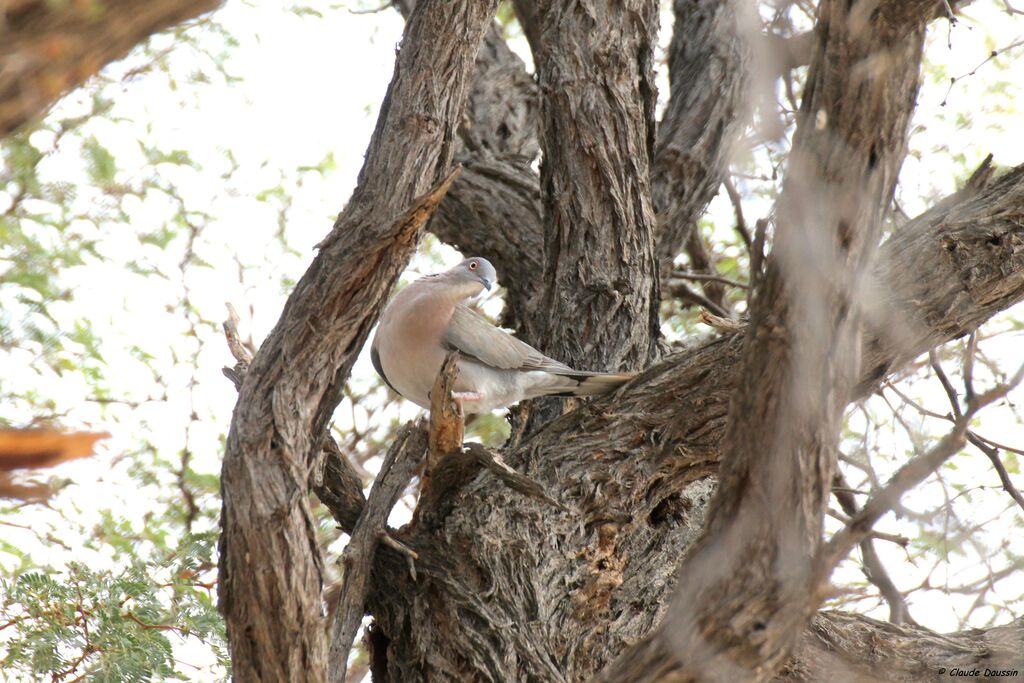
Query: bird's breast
(409,345)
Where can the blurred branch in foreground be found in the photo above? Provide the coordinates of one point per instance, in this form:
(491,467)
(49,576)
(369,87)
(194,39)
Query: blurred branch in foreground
(30,449)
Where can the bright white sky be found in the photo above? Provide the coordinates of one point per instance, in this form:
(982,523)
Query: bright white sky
(311,87)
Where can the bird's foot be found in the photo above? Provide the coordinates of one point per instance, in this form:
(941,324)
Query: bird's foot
(467,401)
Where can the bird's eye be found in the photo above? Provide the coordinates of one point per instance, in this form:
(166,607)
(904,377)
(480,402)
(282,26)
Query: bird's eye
(472,265)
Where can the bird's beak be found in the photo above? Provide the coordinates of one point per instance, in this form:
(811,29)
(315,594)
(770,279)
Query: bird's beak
(486,283)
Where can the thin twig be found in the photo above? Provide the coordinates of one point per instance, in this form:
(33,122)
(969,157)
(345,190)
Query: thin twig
(874,569)
(727,325)
(987,446)
(238,350)
(895,539)
(1004,476)
(908,476)
(954,399)
(510,477)
(992,55)
(1010,9)
(737,207)
(157,627)
(706,277)
(949,12)
(410,555)
(969,353)
(996,444)
(703,261)
(681,291)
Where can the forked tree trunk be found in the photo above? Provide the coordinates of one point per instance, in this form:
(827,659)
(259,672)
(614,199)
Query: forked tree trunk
(576,578)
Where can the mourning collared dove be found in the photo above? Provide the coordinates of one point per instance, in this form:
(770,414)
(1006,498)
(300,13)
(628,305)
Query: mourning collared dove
(428,319)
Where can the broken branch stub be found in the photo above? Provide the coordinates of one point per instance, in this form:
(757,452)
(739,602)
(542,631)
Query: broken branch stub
(447,422)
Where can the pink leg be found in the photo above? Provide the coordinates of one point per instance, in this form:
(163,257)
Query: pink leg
(465,401)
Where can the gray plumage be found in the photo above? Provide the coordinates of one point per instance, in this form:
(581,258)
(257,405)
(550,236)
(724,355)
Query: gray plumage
(427,319)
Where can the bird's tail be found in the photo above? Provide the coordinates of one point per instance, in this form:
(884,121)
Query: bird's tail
(587,383)
(599,384)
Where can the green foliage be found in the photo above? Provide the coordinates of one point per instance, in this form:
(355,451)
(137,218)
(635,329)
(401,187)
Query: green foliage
(492,430)
(110,625)
(88,591)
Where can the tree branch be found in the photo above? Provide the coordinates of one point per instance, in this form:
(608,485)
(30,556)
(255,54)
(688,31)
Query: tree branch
(47,48)
(642,461)
(749,585)
(401,461)
(294,382)
(337,486)
(502,112)
(600,287)
(874,570)
(634,470)
(839,646)
(709,76)
(907,477)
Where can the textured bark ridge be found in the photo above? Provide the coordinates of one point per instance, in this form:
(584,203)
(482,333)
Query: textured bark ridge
(597,108)
(48,48)
(270,563)
(869,651)
(747,588)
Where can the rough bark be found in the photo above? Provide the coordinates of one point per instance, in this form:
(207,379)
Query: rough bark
(400,463)
(635,471)
(709,76)
(855,649)
(945,273)
(746,590)
(513,589)
(529,19)
(270,564)
(550,577)
(951,269)
(707,111)
(502,111)
(600,289)
(48,48)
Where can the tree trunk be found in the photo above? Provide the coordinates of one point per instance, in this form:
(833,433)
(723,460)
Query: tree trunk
(575,573)
(709,73)
(600,290)
(270,567)
(48,48)
(636,473)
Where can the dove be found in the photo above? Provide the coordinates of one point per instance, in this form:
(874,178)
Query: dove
(429,318)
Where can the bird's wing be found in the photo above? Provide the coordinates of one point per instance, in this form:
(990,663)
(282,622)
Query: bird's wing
(375,359)
(476,338)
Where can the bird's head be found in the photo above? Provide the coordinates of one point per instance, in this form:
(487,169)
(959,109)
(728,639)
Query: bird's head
(476,273)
